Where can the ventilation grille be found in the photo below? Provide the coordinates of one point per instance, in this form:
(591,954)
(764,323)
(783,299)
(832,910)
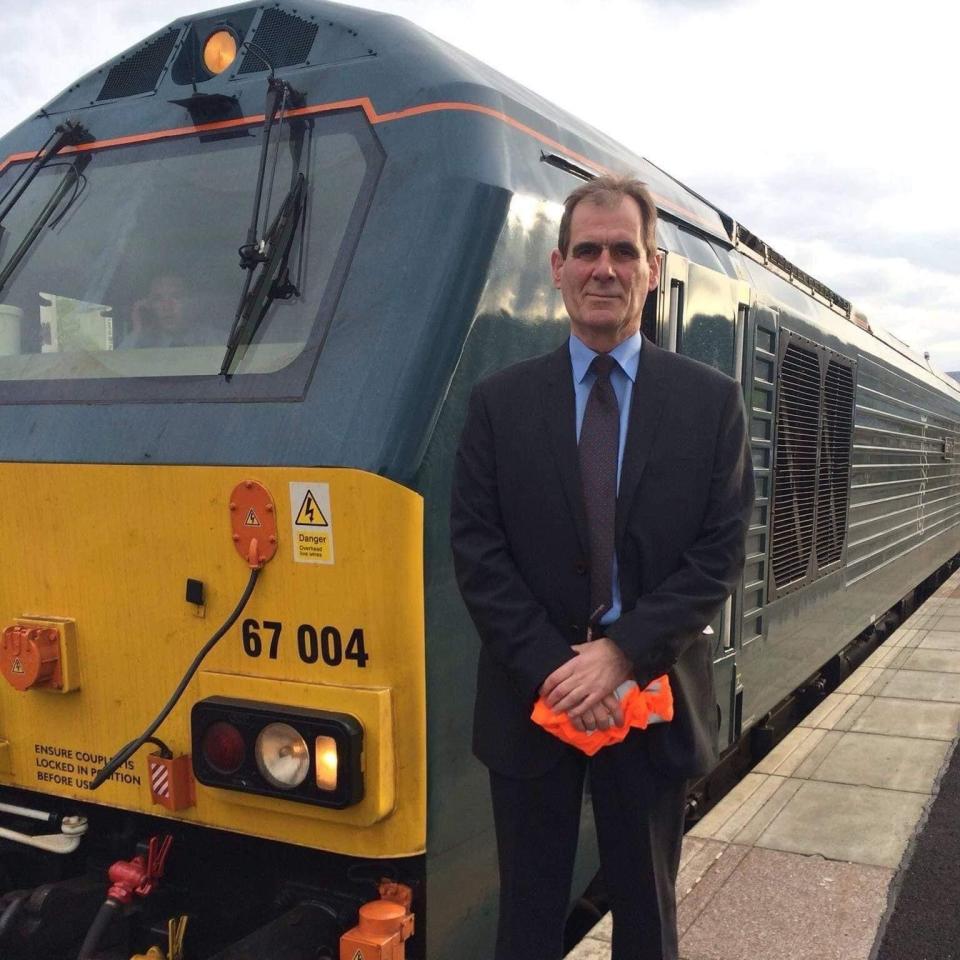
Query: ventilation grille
(141,71)
(798,417)
(834,471)
(281,40)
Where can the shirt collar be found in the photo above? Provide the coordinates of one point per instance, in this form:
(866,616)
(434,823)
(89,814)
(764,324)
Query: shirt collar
(627,355)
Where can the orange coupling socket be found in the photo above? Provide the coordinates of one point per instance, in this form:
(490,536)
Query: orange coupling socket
(383,929)
(30,657)
(253,521)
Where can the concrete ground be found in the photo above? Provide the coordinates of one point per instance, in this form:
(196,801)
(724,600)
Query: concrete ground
(801,860)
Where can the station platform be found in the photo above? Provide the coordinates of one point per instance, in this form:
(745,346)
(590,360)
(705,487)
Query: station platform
(843,843)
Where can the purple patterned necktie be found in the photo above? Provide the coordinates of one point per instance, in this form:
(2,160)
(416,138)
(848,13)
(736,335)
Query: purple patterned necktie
(599,443)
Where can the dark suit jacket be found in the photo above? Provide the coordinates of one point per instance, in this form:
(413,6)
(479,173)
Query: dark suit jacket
(521,551)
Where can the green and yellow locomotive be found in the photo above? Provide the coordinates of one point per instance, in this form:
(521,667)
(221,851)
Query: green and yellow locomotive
(249,271)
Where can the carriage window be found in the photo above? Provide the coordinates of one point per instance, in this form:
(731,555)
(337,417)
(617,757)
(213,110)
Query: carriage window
(136,274)
(709,318)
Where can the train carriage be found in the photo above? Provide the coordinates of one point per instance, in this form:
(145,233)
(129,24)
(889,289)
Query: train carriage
(249,271)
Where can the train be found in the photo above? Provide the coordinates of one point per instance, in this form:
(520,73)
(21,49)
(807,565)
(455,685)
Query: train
(250,269)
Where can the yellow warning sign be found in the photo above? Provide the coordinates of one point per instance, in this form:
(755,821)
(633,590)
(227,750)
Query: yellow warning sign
(358,955)
(310,514)
(252,519)
(312,522)
(17,665)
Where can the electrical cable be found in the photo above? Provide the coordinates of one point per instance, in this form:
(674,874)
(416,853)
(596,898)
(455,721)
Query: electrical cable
(259,53)
(39,222)
(79,185)
(165,751)
(101,921)
(70,133)
(10,914)
(127,751)
(27,167)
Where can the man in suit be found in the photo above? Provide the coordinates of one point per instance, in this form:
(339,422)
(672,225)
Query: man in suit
(600,502)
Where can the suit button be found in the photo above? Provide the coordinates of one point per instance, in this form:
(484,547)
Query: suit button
(580,567)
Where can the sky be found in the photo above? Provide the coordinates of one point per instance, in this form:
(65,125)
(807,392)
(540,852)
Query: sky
(824,126)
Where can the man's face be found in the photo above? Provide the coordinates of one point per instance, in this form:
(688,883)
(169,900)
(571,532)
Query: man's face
(166,300)
(606,274)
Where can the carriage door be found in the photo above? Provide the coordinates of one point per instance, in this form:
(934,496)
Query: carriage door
(663,312)
(707,314)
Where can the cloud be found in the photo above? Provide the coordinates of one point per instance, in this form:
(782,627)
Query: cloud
(49,44)
(823,126)
(886,241)
(919,305)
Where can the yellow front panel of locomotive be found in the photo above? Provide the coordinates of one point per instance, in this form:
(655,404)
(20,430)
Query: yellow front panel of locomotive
(110,549)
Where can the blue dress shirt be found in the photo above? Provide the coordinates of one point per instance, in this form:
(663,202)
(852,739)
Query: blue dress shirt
(622,378)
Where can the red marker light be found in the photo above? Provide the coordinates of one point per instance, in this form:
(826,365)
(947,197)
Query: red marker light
(223,747)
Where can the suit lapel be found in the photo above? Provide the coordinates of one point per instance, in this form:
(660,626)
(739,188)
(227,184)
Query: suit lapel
(645,408)
(560,417)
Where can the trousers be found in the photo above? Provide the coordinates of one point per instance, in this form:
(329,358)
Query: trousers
(639,815)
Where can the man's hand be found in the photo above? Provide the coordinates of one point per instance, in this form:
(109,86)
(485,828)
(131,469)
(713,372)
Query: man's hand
(583,687)
(604,715)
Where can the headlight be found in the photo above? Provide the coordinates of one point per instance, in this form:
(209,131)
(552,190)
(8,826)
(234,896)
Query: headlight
(313,756)
(282,756)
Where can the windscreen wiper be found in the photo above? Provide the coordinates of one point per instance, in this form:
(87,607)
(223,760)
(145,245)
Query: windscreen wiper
(278,92)
(272,252)
(70,180)
(274,282)
(66,134)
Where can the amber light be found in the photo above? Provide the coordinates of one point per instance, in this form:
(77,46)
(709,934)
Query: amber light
(219,51)
(325,751)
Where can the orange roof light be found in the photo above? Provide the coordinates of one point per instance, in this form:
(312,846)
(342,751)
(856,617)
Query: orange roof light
(219,51)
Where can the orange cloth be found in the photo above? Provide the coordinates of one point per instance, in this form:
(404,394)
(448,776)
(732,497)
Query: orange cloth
(653,704)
